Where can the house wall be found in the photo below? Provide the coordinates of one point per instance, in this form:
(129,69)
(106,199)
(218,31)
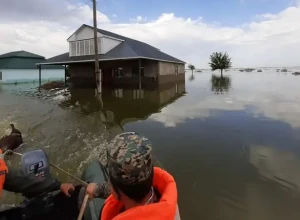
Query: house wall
(165,68)
(82,70)
(167,74)
(107,44)
(150,68)
(30,75)
(154,72)
(83,34)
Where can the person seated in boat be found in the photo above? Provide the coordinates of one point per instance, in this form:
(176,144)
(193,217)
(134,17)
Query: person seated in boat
(136,188)
(14,180)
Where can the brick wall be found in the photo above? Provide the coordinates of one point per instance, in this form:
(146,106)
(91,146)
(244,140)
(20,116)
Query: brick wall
(167,72)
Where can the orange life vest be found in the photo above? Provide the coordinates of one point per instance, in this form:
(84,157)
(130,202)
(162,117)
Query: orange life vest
(164,209)
(3,171)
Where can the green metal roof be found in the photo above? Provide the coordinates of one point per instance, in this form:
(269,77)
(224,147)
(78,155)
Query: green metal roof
(23,60)
(21,53)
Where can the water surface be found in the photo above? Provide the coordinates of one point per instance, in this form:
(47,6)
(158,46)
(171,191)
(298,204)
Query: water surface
(232,143)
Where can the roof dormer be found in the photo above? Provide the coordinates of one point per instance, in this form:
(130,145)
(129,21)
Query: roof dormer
(81,42)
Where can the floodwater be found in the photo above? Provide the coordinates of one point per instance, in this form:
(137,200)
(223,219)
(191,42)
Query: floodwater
(232,143)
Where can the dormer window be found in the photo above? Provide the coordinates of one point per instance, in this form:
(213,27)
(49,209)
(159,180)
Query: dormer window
(83,47)
(82,42)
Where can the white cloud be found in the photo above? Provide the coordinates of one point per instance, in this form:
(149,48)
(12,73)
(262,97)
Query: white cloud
(114,15)
(139,19)
(274,40)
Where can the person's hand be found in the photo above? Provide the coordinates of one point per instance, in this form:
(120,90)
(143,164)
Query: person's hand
(90,190)
(66,188)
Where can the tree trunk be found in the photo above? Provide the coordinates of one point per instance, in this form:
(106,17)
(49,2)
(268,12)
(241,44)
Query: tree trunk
(221,73)
(192,72)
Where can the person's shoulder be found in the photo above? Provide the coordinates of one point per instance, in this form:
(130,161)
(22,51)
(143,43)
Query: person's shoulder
(102,190)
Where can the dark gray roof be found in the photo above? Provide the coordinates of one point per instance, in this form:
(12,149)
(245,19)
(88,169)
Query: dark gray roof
(128,49)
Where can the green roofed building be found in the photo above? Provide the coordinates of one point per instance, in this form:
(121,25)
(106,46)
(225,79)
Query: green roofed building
(20,67)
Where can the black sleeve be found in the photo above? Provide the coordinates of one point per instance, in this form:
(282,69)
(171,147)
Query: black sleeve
(28,184)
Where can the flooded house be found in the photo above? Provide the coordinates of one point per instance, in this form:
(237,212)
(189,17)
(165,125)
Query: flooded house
(19,67)
(122,60)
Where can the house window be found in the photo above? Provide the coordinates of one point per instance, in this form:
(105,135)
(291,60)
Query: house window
(77,48)
(73,48)
(99,44)
(87,47)
(176,70)
(118,73)
(84,47)
(81,48)
(0,76)
(92,47)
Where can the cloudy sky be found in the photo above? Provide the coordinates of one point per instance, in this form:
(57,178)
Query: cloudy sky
(254,32)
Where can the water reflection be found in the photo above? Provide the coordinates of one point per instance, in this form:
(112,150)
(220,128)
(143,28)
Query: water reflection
(192,77)
(118,106)
(220,84)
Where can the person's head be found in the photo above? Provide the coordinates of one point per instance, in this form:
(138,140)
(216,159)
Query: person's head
(130,166)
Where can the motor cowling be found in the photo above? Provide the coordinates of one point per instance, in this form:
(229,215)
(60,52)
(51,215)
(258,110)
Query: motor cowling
(36,162)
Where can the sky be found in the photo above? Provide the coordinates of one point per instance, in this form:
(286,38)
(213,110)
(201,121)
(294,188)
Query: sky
(255,33)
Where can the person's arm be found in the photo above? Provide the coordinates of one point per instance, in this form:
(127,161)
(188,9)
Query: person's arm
(30,185)
(98,190)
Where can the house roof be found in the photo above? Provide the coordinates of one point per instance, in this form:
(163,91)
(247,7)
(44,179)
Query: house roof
(128,49)
(22,60)
(22,54)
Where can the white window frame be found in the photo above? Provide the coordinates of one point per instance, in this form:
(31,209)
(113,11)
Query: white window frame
(88,50)
(77,48)
(78,52)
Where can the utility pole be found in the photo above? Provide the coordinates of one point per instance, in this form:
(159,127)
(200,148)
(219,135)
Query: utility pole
(98,76)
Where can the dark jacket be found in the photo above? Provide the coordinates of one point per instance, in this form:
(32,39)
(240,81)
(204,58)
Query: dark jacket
(28,184)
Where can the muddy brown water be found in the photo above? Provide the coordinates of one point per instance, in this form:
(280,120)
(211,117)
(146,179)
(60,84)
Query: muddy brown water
(232,143)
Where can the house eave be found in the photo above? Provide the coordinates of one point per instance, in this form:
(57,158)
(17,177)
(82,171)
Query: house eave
(127,58)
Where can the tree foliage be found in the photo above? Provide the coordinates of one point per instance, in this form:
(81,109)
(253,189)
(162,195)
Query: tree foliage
(220,61)
(191,67)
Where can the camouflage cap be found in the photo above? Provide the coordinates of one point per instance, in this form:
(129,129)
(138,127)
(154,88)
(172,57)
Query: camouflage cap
(129,158)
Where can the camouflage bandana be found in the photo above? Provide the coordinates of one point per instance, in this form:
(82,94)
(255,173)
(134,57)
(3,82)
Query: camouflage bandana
(129,158)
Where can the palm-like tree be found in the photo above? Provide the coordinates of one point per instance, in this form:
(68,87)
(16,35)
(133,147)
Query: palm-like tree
(220,61)
(191,67)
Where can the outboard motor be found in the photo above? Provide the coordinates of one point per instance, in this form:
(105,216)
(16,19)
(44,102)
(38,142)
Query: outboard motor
(36,162)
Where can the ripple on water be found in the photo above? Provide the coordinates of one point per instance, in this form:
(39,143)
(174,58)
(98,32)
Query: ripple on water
(71,140)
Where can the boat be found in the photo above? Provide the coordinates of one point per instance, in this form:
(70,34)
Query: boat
(55,205)
(95,173)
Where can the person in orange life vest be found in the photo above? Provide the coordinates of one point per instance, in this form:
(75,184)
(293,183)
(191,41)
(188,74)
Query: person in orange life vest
(16,181)
(138,189)
(3,171)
